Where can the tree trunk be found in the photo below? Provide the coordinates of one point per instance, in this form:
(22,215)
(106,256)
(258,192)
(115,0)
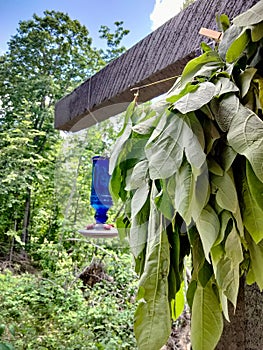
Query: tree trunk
(12,244)
(245,331)
(25,233)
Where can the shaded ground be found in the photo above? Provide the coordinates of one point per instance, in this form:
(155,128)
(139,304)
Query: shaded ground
(18,263)
(94,273)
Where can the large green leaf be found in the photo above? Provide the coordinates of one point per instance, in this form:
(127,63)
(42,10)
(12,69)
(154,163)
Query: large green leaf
(257,32)
(200,193)
(165,202)
(208,226)
(227,277)
(196,99)
(217,253)
(123,136)
(256,262)
(183,190)
(194,124)
(227,157)
(179,301)
(225,192)
(153,308)
(223,22)
(191,292)
(224,86)
(138,176)
(252,16)
(252,213)
(214,167)
(246,137)
(211,132)
(207,320)
(226,265)
(202,65)
(197,251)
(127,117)
(124,158)
(139,198)
(138,234)
(224,304)
(191,192)
(165,153)
(165,156)
(123,227)
(119,146)
(175,278)
(115,184)
(255,186)
(225,110)
(229,37)
(233,247)
(146,126)
(226,222)
(175,273)
(160,125)
(205,273)
(238,46)
(245,79)
(140,215)
(176,94)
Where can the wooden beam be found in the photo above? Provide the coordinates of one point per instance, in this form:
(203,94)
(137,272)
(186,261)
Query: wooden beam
(161,54)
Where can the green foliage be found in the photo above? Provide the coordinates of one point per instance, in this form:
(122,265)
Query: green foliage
(189,172)
(44,197)
(53,310)
(113,41)
(207,326)
(153,286)
(48,57)
(41,65)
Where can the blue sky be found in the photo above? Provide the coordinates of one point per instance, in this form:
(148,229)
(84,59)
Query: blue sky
(139,16)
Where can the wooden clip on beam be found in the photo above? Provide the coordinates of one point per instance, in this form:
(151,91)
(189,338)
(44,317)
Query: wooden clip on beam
(212,34)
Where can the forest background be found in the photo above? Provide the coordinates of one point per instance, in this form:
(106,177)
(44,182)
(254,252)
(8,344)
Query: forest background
(44,198)
(58,290)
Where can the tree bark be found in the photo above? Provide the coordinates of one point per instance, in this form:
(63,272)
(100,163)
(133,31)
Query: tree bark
(253,318)
(245,331)
(25,233)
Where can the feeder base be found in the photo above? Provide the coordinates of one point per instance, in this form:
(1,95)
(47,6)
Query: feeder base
(99,231)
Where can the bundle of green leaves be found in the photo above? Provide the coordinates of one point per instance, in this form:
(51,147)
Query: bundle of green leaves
(189,171)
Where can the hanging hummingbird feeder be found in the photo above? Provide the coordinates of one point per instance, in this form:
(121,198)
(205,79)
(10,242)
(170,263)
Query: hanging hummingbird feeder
(100,200)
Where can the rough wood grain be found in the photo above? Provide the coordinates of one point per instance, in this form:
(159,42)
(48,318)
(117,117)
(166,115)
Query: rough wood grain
(161,54)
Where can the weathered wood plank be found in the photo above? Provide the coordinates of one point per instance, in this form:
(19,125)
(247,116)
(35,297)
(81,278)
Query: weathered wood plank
(161,54)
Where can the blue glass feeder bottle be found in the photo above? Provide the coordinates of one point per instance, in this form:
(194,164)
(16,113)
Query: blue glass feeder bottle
(100,200)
